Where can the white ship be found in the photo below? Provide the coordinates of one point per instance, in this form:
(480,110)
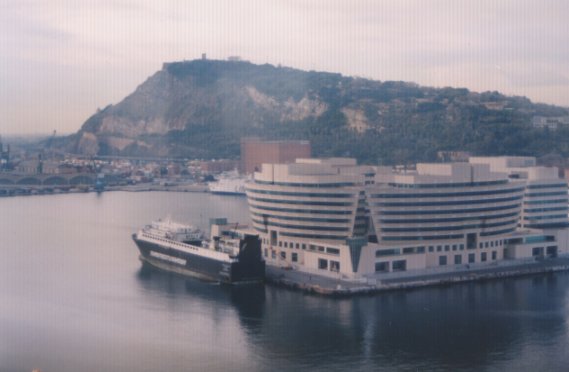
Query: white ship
(230,183)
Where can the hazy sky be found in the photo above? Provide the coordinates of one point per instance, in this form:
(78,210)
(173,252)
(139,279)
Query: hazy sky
(61,60)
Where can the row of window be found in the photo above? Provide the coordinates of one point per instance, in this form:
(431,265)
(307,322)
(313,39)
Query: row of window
(547,186)
(453,202)
(553,193)
(315,185)
(557,201)
(437,248)
(306,219)
(553,209)
(447,228)
(449,195)
(455,219)
(450,211)
(292,210)
(301,227)
(401,265)
(550,217)
(436,185)
(306,194)
(302,202)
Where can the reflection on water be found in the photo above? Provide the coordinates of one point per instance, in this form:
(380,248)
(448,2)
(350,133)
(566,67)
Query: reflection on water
(74,296)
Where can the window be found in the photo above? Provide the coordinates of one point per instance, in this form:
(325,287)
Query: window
(481,245)
(280,244)
(431,248)
(439,248)
(492,244)
(461,247)
(283,255)
(486,245)
(483,256)
(286,244)
(537,252)
(494,255)
(297,245)
(442,260)
(400,265)
(457,259)
(304,246)
(266,253)
(387,252)
(381,267)
(408,250)
(295,257)
(335,251)
(322,264)
(273,255)
(471,258)
(447,248)
(334,266)
(454,247)
(420,249)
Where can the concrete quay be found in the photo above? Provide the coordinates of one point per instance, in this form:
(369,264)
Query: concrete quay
(341,287)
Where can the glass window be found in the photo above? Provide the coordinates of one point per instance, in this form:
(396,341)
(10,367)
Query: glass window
(283,255)
(483,256)
(494,255)
(457,259)
(334,266)
(454,247)
(442,260)
(382,266)
(322,264)
(471,258)
(447,248)
(431,248)
(400,265)
(408,250)
(295,257)
(439,248)
(333,251)
(461,247)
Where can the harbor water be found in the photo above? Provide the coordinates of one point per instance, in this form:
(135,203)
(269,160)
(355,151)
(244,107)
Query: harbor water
(75,297)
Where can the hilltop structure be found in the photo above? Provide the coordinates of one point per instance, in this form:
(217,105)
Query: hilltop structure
(333,217)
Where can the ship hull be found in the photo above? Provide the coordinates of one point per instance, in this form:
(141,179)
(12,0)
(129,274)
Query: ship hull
(197,266)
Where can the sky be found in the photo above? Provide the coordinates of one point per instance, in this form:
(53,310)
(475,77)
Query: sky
(61,60)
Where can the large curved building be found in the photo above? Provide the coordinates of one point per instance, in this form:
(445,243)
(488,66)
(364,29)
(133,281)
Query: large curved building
(333,217)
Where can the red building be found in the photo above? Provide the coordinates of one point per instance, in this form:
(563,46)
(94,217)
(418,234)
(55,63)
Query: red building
(255,152)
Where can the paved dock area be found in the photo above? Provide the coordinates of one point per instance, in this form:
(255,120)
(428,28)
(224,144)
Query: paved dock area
(339,286)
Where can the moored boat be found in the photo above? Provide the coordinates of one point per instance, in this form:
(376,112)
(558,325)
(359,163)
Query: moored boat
(230,257)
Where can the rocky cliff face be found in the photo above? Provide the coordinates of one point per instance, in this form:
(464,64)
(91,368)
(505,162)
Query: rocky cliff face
(202,108)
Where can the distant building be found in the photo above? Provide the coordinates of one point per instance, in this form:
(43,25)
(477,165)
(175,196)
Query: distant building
(549,122)
(216,166)
(255,152)
(453,156)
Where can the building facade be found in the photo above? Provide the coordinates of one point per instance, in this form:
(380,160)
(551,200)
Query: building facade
(334,217)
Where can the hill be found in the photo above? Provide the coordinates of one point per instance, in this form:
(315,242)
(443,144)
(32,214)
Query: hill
(201,109)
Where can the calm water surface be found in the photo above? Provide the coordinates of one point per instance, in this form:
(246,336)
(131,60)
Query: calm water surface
(73,297)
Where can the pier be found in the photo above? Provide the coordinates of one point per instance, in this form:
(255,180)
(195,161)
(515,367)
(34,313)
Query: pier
(342,287)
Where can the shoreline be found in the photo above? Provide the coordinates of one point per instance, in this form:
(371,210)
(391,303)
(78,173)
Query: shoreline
(337,287)
(33,191)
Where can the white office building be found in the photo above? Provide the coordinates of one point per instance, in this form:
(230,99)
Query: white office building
(333,217)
